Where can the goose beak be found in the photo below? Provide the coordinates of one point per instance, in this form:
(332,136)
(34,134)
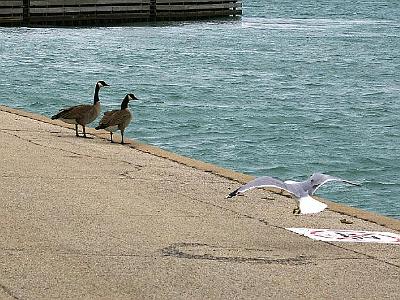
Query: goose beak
(132,97)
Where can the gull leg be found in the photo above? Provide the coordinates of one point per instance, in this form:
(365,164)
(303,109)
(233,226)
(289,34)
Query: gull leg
(296,210)
(111,137)
(76,130)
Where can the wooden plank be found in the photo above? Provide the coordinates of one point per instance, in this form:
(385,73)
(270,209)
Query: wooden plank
(11,11)
(194,14)
(94,18)
(109,2)
(131,8)
(193,1)
(49,3)
(82,10)
(197,7)
(11,3)
(11,20)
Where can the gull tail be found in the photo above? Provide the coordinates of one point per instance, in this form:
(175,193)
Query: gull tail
(309,205)
(233,194)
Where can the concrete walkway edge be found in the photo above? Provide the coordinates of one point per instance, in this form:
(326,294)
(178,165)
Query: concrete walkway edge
(207,167)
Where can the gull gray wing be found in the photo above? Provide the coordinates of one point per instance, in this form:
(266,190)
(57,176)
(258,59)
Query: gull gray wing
(261,182)
(319,179)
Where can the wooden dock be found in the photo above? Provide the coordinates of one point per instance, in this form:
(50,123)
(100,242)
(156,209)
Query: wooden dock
(99,12)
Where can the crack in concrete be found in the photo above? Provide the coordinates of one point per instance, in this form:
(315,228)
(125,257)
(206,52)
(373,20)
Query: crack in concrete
(72,253)
(126,175)
(51,177)
(28,130)
(8,291)
(63,150)
(363,254)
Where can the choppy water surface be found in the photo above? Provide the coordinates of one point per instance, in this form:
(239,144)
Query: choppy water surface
(288,89)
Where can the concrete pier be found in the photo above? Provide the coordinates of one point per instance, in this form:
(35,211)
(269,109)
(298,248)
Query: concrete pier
(87,219)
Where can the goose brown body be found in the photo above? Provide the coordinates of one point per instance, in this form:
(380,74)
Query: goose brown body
(82,114)
(117,119)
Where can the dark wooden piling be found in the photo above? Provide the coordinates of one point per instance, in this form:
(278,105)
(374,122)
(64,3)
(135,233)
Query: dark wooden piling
(26,12)
(88,12)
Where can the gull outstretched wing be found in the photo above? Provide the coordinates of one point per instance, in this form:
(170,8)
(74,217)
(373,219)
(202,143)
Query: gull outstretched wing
(261,182)
(319,179)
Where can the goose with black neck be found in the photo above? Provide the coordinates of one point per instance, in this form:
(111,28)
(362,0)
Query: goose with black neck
(118,118)
(82,114)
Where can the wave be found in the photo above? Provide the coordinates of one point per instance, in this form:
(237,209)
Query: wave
(371,183)
(304,24)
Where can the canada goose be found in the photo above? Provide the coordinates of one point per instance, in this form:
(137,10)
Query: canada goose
(118,118)
(302,191)
(82,114)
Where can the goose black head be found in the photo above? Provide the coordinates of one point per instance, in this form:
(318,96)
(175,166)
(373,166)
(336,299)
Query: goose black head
(130,97)
(102,83)
(127,98)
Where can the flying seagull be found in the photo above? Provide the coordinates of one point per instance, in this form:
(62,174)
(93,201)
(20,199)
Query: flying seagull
(302,191)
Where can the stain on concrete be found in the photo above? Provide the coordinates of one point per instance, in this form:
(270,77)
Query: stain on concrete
(230,255)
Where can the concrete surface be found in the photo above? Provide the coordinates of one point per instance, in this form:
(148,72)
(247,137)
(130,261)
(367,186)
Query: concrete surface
(87,219)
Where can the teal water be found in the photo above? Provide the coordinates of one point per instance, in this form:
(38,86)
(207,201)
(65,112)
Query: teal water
(288,89)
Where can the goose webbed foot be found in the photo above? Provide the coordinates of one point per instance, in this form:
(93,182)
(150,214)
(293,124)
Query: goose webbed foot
(84,134)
